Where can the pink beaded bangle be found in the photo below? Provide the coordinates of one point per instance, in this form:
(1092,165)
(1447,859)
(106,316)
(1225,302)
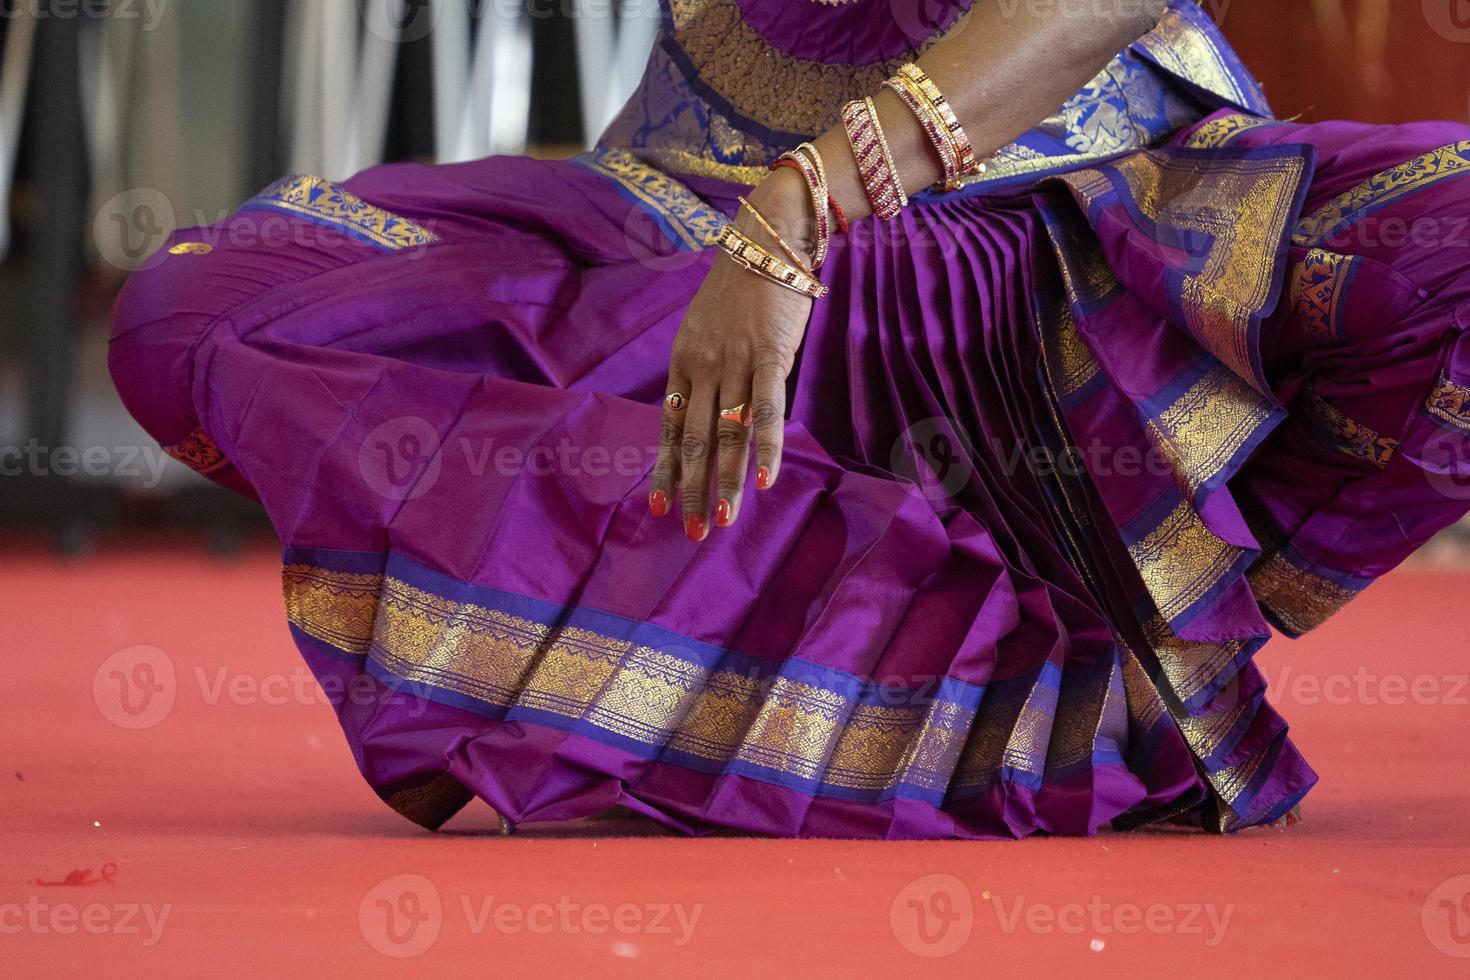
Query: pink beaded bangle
(874,159)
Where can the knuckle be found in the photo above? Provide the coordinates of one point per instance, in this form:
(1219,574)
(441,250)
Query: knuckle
(669,431)
(765,413)
(699,360)
(694,447)
(732,436)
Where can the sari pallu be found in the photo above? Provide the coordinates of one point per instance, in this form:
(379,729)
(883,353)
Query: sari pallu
(441,383)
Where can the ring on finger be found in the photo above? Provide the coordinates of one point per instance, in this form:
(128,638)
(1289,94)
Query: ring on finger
(740,415)
(675,401)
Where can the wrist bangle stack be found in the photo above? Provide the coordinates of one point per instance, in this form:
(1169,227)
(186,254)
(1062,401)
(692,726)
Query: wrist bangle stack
(939,121)
(796,259)
(874,159)
(932,124)
(807,161)
(755,258)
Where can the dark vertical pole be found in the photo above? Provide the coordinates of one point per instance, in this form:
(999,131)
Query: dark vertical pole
(56,163)
(267,59)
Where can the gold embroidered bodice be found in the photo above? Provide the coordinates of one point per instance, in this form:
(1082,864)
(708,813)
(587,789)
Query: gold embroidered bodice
(731,84)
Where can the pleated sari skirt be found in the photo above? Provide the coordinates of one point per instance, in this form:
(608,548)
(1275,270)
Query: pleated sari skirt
(1058,458)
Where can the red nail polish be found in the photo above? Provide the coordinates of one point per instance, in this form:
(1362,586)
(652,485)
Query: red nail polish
(658,503)
(762,478)
(723,517)
(694,527)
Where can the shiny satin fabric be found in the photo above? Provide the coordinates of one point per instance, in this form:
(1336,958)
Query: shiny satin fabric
(1060,447)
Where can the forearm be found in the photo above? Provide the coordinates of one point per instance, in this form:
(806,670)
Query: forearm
(1003,69)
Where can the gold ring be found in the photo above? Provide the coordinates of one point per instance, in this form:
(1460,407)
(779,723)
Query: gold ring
(740,415)
(675,402)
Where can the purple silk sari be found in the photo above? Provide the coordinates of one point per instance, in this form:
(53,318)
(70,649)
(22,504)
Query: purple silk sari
(1062,444)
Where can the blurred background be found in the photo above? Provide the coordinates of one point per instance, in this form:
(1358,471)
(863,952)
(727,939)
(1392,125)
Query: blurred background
(121,120)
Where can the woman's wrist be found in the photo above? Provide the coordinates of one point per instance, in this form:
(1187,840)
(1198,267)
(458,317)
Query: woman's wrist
(783,199)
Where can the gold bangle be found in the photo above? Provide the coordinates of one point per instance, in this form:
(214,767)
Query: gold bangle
(964,149)
(790,252)
(933,126)
(808,161)
(756,259)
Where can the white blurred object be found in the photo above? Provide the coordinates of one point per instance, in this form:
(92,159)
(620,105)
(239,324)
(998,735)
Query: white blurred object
(15,74)
(482,87)
(338,82)
(611,54)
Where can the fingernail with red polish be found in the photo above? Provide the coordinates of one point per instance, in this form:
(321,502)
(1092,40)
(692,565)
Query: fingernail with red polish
(763,478)
(694,527)
(723,516)
(658,503)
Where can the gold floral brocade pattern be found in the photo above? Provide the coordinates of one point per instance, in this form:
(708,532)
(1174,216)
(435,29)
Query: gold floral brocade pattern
(1450,402)
(721,716)
(696,224)
(1318,287)
(1350,437)
(1250,203)
(1382,189)
(325,202)
(1205,429)
(1221,130)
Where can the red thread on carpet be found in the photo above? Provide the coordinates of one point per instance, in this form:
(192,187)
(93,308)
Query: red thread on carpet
(83,876)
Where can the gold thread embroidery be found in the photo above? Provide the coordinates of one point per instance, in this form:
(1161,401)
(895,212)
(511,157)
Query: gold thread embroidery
(1222,130)
(1180,560)
(650,696)
(323,200)
(191,248)
(1251,204)
(1202,431)
(1384,188)
(1347,436)
(1450,402)
(1189,667)
(1300,599)
(1317,290)
(334,607)
(198,452)
(1182,48)
(696,223)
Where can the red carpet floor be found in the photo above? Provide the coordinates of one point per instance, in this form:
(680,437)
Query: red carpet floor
(236,839)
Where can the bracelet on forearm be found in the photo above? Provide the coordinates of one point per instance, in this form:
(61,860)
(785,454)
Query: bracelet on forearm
(806,161)
(933,125)
(960,146)
(756,259)
(769,229)
(874,159)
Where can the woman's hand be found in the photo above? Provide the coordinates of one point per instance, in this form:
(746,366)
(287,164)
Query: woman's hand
(735,347)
